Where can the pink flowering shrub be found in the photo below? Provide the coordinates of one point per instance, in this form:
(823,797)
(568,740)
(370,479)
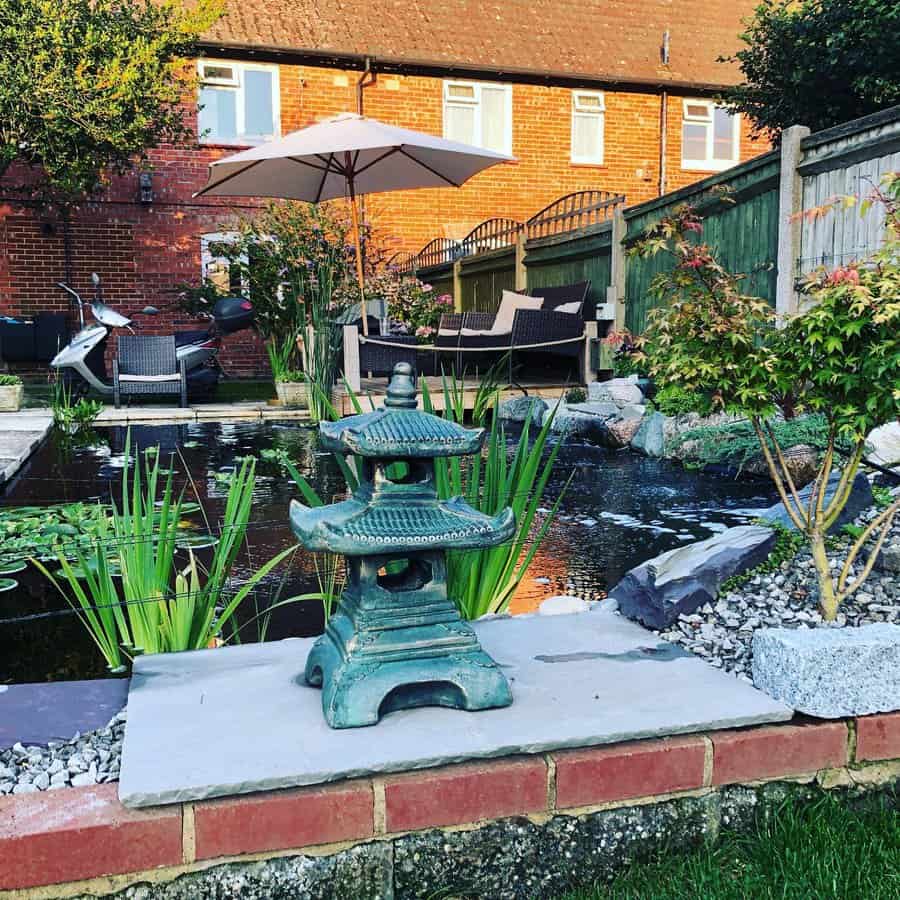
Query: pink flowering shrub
(411,303)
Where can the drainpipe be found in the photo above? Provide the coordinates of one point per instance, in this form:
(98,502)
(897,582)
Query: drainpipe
(663,139)
(365,80)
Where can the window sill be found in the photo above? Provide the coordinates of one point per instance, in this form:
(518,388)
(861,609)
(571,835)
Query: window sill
(708,169)
(233,145)
(587,165)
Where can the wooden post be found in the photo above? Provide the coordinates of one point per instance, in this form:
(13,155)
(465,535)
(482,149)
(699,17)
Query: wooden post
(457,286)
(351,357)
(615,293)
(588,373)
(521,271)
(790,205)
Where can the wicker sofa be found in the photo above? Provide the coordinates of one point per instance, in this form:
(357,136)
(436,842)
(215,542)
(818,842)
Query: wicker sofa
(553,315)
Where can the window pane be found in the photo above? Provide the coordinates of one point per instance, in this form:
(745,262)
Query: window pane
(258,118)
(218,116)
(463,91)
(493,119)
(586,137)
(693,142)
(723,135)
(697,111)
(588,102)
(222,73)
(459,123)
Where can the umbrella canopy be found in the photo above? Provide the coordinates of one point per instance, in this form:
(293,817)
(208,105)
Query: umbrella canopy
(347,154)
(342,157)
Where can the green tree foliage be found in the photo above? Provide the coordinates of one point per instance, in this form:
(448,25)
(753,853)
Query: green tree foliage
(87,86)
(839,359)
(818,63)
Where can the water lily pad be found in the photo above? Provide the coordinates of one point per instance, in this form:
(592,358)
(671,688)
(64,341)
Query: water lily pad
(196,541)
(12,566)
(79,573)
(8,584)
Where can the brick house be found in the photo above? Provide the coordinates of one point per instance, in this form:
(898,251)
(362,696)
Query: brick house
(606,94)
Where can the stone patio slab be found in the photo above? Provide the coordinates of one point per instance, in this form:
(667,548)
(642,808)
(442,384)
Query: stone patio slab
(241,719)
(38,713)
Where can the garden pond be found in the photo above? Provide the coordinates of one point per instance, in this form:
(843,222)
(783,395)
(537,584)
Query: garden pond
(620,509)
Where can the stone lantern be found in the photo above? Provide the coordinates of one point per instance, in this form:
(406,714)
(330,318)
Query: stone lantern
(396,640)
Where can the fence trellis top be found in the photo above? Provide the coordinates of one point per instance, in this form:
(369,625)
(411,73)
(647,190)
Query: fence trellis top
(576,210)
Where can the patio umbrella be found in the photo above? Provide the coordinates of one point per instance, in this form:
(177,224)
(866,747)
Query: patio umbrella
(346,156)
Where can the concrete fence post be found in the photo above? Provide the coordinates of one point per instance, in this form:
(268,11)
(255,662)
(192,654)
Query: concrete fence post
(615,293)
(790,226)
(588,372)
(351,357)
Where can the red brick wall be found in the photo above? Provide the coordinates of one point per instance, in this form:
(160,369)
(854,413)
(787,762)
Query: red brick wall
(142,251)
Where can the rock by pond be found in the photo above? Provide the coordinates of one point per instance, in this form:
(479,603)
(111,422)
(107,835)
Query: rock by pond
(680,581)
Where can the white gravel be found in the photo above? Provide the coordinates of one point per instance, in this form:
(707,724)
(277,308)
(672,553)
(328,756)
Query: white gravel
(90,758)
(722,632)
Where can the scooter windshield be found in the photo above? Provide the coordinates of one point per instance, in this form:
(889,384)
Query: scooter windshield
(107,316)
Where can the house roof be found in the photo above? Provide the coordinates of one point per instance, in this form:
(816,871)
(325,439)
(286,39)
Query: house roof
(592,40)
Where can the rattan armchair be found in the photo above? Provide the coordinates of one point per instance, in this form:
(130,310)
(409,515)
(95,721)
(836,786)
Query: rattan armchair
(148,365)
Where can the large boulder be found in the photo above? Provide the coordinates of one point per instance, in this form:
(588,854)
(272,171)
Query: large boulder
(883,445)
(620,391)
(830,673)
(802,462)
(584,420)
(618,432)
(650,438)
(860,499)
(680,581)
(518,409)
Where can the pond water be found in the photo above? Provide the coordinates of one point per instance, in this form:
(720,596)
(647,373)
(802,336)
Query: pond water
(620,510)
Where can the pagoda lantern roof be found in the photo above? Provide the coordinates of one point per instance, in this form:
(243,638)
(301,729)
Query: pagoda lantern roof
(398,429)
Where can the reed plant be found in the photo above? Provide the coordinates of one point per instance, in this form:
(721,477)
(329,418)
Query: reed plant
(127,589)
(481,581)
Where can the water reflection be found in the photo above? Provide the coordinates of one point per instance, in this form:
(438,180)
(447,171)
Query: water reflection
(620,509)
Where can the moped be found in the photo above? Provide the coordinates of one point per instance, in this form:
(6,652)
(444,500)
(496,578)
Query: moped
(82,362)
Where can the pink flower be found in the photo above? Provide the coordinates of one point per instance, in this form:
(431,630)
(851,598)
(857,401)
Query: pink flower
(844,275)
(427,287)
(445,299)
(695,262)
(424,331)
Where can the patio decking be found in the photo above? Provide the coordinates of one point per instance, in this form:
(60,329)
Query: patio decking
(375,388)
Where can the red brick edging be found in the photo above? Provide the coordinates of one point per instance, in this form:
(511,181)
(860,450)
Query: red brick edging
(73,834)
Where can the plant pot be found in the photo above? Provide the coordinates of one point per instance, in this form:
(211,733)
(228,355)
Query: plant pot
(11,397)
(292,393)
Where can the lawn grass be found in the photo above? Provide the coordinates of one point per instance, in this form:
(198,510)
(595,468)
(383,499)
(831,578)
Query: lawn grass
(826,850)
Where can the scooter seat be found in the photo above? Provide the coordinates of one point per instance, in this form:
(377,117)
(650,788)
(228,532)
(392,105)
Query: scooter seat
(189,337)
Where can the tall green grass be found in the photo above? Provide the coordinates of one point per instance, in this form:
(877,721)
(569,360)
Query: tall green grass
(481,581)
(128,591)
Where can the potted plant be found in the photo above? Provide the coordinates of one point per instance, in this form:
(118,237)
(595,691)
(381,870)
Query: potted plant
(290,383)
(11,390)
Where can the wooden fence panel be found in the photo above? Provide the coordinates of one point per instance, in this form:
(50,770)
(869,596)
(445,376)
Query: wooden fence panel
(583,255)
(484,277)
(848,159)
(740,212)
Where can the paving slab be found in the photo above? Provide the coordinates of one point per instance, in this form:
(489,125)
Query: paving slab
(21,433)
(39,713)
(240,719)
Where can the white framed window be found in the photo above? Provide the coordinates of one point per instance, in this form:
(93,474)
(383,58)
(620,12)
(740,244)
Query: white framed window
(588,110)
(239,102)
(710,136)
(215,268)
(479,114)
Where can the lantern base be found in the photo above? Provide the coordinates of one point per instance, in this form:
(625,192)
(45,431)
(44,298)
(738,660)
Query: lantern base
(426,665)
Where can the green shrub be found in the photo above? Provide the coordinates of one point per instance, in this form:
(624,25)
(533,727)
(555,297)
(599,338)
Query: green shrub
(9,380)
(576,395)
(674,400)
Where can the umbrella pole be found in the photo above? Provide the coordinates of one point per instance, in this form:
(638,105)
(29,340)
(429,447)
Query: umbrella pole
(359,263)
